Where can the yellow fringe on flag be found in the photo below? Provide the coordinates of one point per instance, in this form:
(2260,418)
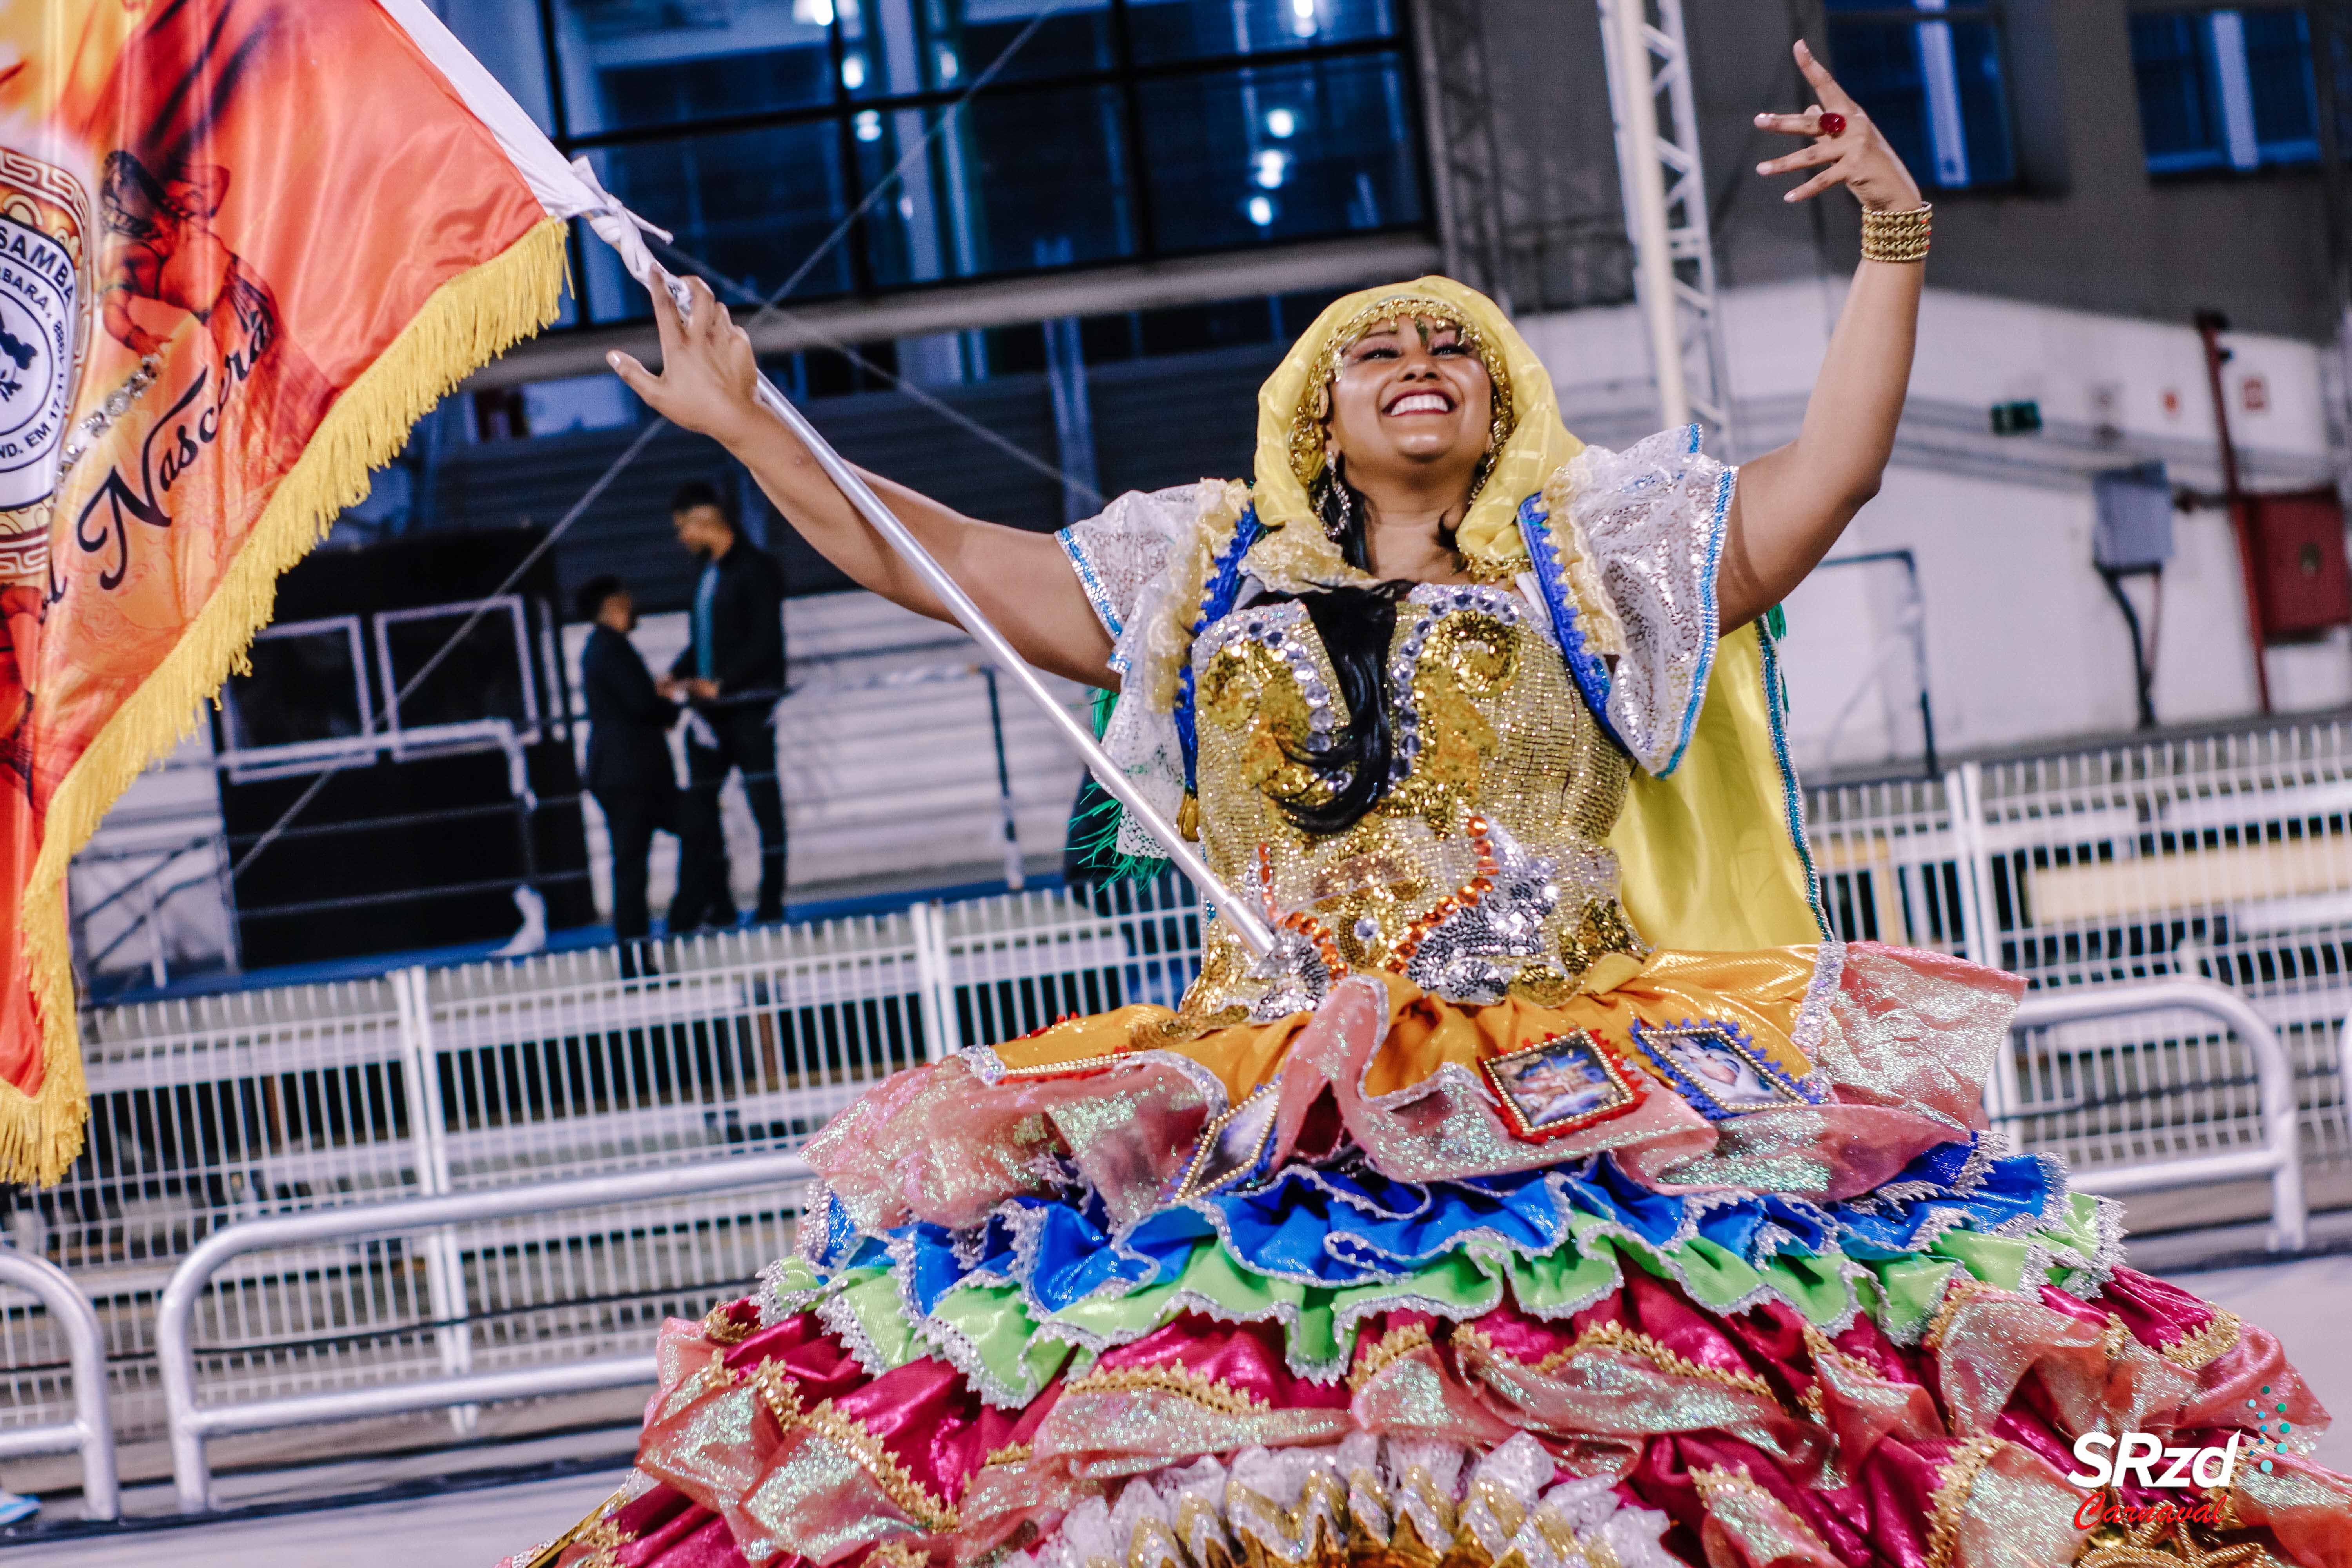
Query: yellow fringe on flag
(469,321)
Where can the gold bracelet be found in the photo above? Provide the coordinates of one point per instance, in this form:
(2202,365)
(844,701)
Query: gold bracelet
(1897,236)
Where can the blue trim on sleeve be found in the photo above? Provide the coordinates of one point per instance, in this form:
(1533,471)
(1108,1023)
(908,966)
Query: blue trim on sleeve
(1708,609)
(1217,597)
(1587,668)
(1793,794)
(1090,580)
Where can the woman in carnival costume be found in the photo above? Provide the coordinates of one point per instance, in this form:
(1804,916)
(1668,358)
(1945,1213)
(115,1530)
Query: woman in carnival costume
(1557,1192)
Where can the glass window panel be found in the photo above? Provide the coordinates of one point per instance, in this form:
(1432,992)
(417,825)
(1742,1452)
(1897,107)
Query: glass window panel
(1280,152)
(1021,180)
(751,206)
(630,63)
(306,684)
(1193,29)
(1879,63)
(2181,125)
(927,46)
(2278,66)
(1984,102)
(1908,74)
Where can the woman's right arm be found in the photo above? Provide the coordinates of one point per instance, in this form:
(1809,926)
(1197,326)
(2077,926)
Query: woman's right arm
(1021,581)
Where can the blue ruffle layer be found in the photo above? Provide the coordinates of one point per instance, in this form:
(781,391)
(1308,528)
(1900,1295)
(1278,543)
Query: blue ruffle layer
(1343,1224)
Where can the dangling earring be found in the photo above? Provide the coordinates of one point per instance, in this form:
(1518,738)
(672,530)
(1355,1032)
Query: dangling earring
(1340,521)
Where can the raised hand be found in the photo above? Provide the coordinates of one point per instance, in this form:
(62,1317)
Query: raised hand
(709,375)
(1847,149)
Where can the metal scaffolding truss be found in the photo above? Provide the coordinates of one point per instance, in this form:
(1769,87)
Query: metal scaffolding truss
(1465,167)
(1667,210)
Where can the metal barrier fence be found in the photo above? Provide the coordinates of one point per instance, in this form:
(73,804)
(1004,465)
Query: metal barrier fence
(216,1110)
(193,1418)
(89,1431)
(2228,859)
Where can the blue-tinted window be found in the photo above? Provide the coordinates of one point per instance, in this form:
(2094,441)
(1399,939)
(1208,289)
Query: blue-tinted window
(1021,180)
(1930,76)
(918,141)
(630,63)
(1279,152)
(2227,89)
(892,46)
(750,207)
(1196,29)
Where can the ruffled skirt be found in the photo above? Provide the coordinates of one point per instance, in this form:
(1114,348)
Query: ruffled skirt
(1407,1283)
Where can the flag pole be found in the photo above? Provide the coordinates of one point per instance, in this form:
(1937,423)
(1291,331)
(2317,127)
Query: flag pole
(1245,922)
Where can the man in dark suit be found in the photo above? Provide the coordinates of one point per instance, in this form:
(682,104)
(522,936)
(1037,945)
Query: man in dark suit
(629,768)
(732,675)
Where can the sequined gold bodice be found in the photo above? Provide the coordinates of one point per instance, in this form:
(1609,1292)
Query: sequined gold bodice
(1482,872)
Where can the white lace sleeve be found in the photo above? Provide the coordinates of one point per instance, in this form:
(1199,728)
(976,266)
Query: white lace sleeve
(1120,552)
(1650,520)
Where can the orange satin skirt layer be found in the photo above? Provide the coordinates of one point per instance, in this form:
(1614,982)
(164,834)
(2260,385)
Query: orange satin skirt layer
(1764,992)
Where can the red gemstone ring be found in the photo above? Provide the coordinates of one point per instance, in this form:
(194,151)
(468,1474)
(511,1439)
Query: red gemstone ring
(1833,125)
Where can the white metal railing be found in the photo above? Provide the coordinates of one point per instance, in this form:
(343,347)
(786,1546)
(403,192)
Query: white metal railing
(192,1421)
(90,1432)
(2215,858)
(2264,1144)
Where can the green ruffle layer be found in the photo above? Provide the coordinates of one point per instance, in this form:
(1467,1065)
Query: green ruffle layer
(995,1335)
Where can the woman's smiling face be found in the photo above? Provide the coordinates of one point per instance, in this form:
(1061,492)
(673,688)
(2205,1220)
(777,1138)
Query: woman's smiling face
(1410,395)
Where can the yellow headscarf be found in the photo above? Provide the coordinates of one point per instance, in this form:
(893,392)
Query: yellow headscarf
(1714,855)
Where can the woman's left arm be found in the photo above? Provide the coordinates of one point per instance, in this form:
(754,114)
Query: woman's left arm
(1792,504)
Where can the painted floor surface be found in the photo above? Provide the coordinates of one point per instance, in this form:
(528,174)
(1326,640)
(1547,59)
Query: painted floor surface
(2302,1303)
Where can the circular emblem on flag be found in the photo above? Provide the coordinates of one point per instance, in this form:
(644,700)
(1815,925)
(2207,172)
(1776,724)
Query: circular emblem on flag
(38,285)
(44,233)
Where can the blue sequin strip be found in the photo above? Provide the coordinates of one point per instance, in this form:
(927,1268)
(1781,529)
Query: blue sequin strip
(1217,597)
(1587,668)
(1090,580)
(1793,794)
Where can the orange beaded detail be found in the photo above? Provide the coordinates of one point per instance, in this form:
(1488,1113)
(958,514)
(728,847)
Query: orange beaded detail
(1467,896)
(1326,946)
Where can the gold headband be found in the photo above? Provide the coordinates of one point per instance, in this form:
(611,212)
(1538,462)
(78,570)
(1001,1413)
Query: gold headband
(1306,425)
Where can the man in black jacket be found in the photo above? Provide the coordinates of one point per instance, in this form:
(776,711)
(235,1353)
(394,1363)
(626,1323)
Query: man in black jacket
(629,768)
(732,676)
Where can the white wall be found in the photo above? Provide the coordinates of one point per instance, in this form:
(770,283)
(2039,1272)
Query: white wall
(2022,642)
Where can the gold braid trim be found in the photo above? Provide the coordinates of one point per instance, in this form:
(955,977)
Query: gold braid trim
(898,1554)
(1951,1497)
(1962,1291)
(1181,1382)
(1390,1348)
(603,1542)
(1629,1342)
(720,1327)
(1716,1485)
(901,1487)
(2170,1543)
(781,1394)
(1011,1454)
(2200,1348)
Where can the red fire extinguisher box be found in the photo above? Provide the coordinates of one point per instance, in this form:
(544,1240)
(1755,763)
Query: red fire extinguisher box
(2300,572)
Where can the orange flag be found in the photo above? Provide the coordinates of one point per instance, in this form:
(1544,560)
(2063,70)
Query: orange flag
(244,245)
